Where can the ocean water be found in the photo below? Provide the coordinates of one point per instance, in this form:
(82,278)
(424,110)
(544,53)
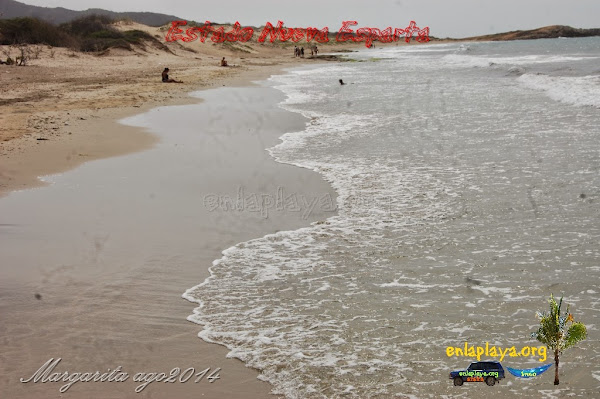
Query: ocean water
(468,178)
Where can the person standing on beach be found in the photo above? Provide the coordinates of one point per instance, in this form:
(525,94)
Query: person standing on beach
(165,77)
(302,52)
(295,51)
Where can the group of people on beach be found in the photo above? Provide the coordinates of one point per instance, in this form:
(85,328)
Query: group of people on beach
(167,79)
(299,51)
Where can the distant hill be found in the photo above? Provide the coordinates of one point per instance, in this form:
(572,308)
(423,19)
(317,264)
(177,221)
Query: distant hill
(59,15)
(547,32)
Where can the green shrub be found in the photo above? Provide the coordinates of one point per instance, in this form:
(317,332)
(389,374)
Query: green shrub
(136,36)
(85,26)
(32,31)
(93,45)
(105,34)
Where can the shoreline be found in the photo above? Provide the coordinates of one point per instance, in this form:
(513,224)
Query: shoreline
(23,162)
(61,93)
(104,284)
(60,108)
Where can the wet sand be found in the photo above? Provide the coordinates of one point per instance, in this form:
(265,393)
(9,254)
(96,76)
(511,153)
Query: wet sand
(94,265)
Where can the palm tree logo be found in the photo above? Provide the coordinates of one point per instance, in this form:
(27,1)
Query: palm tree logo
(554,333)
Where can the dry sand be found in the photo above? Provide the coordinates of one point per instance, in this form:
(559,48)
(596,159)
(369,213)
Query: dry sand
(84,279)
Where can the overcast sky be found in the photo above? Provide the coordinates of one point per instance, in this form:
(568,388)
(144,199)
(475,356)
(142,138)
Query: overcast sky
(454,18)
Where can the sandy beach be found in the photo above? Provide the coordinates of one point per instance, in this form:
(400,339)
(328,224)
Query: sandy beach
(94,276)
(299,227)
(59,111)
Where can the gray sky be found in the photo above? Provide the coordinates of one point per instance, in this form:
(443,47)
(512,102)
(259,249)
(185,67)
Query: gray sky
(454,18)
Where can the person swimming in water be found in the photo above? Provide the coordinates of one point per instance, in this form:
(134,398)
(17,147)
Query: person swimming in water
(166,79)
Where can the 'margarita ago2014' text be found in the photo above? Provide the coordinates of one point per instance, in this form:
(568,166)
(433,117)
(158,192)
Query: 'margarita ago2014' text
(279,32)
(46,373)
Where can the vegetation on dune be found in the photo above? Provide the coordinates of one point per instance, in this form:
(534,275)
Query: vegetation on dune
(96,33)
(90,33)
(33,31)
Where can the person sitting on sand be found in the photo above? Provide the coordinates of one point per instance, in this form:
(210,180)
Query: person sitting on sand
(342,82)
(165,77)
(223,62)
